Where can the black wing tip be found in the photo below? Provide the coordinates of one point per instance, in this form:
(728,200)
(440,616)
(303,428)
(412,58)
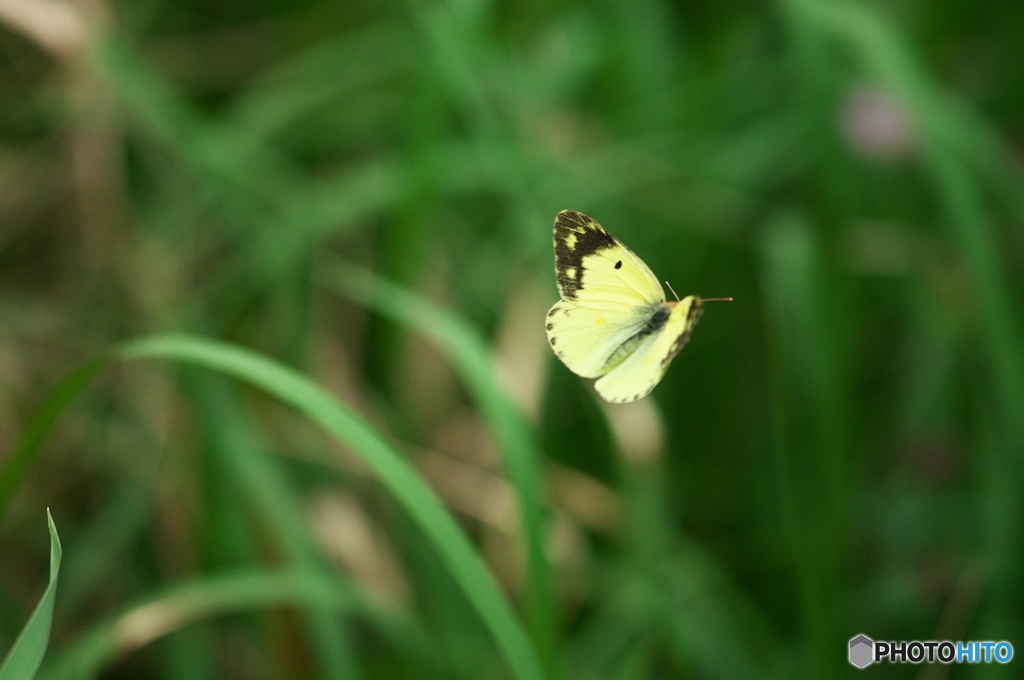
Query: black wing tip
(576,236)
(572,218)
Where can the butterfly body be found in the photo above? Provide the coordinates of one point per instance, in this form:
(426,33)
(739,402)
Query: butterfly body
(613,321)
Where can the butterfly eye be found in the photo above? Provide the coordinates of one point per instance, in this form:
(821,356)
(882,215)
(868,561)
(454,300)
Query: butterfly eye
(618,265)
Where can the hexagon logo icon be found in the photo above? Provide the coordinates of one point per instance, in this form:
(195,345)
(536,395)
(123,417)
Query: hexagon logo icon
(862,651)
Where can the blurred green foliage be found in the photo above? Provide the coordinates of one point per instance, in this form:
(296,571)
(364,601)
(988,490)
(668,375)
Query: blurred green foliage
(839,451)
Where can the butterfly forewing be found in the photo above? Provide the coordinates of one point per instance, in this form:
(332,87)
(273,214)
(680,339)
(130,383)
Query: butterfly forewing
(608,296)
(591,263)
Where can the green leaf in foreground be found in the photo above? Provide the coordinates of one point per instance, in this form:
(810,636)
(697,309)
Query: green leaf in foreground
(24,657)
(312,401)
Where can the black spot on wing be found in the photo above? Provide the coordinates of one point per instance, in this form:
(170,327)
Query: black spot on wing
(618,265)
(550,325)
(576,237)
(696,310)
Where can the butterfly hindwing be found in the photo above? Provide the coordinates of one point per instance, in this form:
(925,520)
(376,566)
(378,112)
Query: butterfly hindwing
(589,338)
(637,374)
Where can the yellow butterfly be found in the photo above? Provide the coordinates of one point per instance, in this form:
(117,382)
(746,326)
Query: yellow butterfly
(613,321)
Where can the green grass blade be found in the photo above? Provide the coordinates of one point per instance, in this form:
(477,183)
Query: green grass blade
(27,450)
(468,352)
(812,429)
(397,476)
(233,593)
(315,403)
(278,507)
(26,654)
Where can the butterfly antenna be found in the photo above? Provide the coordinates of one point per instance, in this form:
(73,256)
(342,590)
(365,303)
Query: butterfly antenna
(726,299)
(673,290)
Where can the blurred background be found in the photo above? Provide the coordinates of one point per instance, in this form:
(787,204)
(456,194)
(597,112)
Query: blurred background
(839,451)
